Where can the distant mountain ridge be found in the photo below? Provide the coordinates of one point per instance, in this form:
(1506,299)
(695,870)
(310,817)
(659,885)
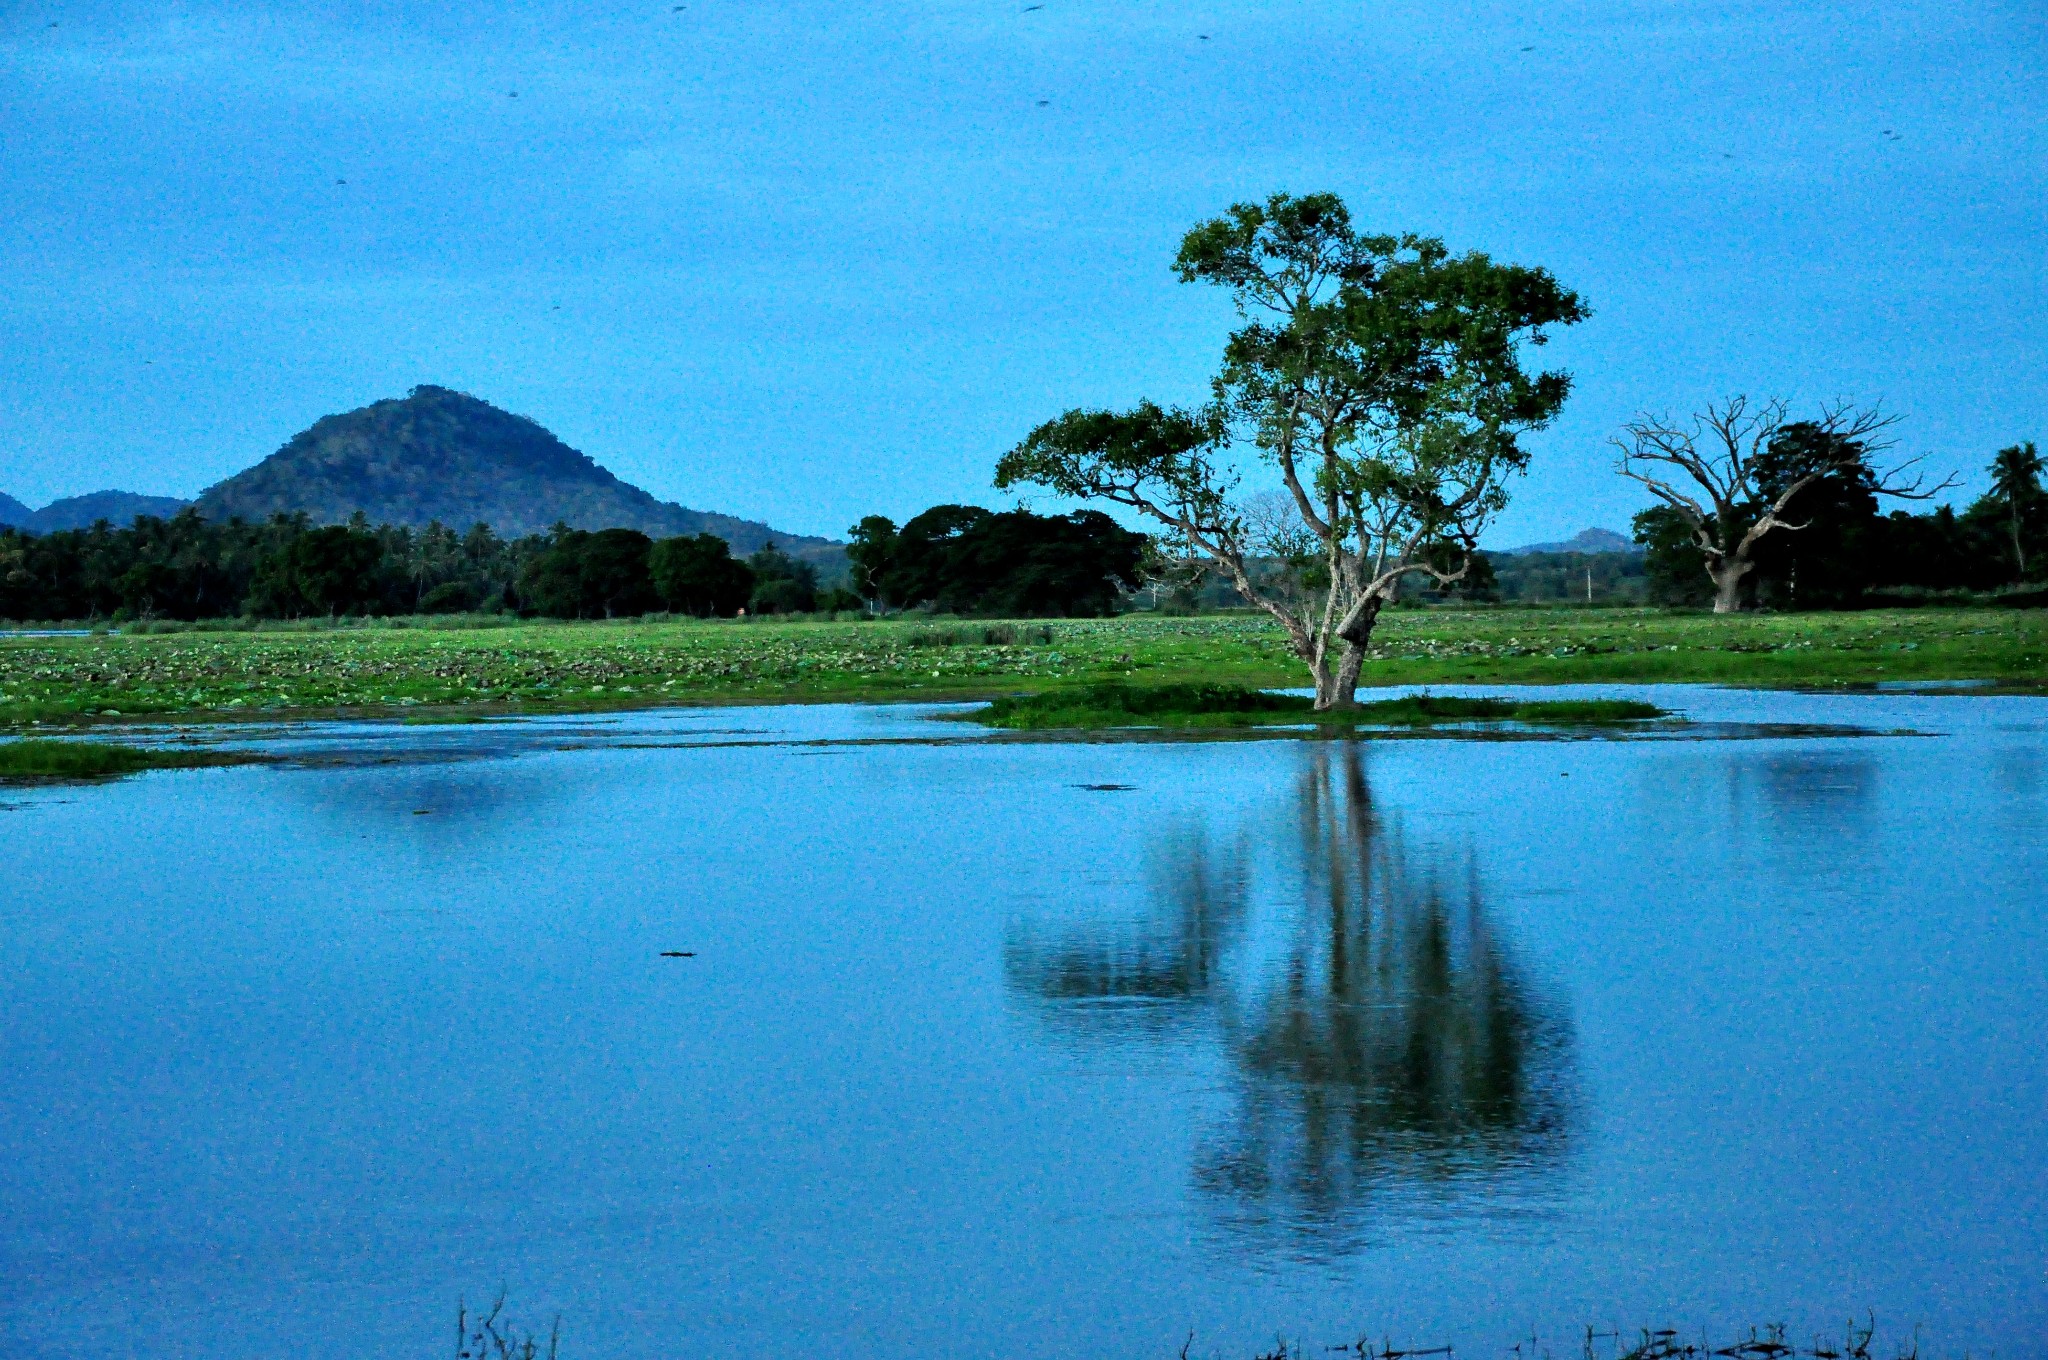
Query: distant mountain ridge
(438,454)
(1585,541)
(118,508)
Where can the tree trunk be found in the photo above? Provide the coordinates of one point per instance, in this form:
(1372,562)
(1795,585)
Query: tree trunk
(1728,585)
(1325,681)
(1339,689)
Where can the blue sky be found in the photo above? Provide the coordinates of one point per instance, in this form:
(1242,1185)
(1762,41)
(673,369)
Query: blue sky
(808,262)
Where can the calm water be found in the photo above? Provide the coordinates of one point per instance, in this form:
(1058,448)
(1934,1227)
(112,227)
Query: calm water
(1447,1039)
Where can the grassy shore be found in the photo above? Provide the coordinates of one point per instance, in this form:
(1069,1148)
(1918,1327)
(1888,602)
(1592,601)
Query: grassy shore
(541,667)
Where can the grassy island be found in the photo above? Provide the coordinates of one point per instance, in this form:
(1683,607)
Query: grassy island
(1212,706)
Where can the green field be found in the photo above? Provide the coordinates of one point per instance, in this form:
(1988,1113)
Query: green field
(544,667)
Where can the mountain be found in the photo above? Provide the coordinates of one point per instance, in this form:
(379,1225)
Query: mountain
(118,508)
(443,455)
(13,514)
(1585,541)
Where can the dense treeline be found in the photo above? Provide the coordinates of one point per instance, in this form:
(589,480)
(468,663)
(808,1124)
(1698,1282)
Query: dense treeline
(1848,554)
(961,559)
(188,567)
(957,559)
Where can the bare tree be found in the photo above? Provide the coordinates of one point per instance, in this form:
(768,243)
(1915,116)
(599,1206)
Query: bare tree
(1723,455)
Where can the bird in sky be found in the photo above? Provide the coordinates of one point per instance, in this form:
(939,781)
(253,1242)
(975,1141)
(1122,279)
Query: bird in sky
(512,94)
(1026,10)
(1203,36)
(341,181)
(1043,102)
(1530,48)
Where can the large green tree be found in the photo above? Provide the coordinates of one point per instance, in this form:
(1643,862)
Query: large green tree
(962,559)
(583,575)
(1380,376)
(699,575)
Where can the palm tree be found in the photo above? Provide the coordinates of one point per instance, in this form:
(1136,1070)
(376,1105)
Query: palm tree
(2016,480)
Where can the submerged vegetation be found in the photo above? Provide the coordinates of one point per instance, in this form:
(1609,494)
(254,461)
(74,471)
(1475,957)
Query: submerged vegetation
(44,759)
(558,667)
(1122,705)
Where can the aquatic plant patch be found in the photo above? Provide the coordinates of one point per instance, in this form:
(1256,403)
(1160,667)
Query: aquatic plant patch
(48,759)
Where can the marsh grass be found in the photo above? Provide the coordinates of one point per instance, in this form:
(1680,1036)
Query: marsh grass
(488,1336)
(1428,710)
(44,759)
(1123,705)
(1771,1342)
(982,635)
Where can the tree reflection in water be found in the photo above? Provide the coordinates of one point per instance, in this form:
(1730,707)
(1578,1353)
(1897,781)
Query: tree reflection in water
(1383,1041)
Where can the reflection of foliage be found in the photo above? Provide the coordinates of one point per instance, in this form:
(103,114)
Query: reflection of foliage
(1389,1042)
(1400,1042)
(1150,981)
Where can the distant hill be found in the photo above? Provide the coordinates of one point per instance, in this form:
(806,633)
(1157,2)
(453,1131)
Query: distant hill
(1585,541)
(118,508)
(443,455)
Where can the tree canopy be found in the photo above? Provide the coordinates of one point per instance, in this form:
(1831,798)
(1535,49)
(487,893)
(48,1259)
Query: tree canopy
(698,575)
(1382,377)
(962,559)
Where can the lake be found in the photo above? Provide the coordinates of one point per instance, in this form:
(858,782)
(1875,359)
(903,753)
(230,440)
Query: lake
(1033,1048)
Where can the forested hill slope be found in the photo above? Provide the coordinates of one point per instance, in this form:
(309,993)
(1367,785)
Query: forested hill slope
(447,456)
(13,514)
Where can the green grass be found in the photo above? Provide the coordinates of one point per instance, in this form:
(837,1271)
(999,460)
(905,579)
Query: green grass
(1210,706)
(34,759)
(1423,710)
(548,667)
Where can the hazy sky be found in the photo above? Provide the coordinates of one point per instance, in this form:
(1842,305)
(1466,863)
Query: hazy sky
(803,263)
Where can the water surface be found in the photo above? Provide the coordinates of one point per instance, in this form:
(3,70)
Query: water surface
(1447,1039)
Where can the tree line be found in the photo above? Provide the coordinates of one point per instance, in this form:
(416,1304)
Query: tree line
(953,558)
